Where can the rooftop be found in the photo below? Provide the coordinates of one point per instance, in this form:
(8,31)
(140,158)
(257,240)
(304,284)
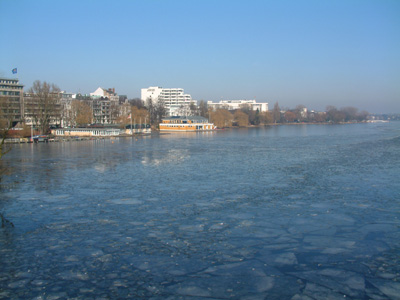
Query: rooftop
(191,118)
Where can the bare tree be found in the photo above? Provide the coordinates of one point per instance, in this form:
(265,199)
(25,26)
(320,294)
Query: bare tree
(351,113)
(363,115)
(137,102)
(334,115)
(194,111)
(140,115)
(160,111)
(267,118)
(5,126)
(221,118)
(276,113)
(81,112)
(44,104)
(289,116)
(152,111)
(241,118)
(203,110)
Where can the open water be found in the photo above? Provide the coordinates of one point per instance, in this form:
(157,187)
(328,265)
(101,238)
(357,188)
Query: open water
(281,212)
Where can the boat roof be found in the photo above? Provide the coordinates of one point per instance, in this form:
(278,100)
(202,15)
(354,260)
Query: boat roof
(191,118)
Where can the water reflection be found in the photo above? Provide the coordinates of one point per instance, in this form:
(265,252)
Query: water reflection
(173,156)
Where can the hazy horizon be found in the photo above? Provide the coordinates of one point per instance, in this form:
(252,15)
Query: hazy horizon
(314,53)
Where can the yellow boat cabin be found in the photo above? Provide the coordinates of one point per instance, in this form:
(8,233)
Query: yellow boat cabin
(190,123)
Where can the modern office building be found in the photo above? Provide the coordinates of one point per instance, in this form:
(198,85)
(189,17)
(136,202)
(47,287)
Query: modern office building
(239,104)
(173,98)
(11,100)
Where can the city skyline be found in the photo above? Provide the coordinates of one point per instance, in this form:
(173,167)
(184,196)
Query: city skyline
(314,53)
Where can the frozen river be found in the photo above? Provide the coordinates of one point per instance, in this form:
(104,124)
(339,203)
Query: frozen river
(282,212)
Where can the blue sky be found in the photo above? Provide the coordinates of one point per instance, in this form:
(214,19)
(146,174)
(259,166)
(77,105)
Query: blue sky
(315,53)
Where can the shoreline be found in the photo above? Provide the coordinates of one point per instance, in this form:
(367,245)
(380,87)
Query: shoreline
(52,139)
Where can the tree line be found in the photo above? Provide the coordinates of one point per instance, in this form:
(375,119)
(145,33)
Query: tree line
(245,116)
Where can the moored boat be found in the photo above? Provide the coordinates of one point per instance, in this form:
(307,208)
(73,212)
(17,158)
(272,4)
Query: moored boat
(188,123)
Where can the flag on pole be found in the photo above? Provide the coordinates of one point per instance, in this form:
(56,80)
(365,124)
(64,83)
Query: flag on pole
(130,116)
(14,71)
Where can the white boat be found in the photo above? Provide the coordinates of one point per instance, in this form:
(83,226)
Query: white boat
(182,124)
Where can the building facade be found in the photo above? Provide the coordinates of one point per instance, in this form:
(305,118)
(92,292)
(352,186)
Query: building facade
(66,109)
(11,101)
(101,111)
(239,104)
(105,105)
(174,99)
(103,93)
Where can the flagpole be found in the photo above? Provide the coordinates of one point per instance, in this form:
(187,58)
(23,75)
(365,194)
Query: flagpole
(131,125)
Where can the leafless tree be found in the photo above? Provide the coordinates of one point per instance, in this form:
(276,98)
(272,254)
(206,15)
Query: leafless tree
(160,111)
(221,118)
(44,104)
(276,113)
(289,116)
(5,126)
(136,102)
(203,110)
(152,111)
(81,112)
(241,118)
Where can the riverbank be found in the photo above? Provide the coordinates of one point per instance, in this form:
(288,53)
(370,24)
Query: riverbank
(77,138)
(68,139)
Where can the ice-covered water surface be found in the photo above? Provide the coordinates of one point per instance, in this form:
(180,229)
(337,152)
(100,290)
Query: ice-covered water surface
(286,212)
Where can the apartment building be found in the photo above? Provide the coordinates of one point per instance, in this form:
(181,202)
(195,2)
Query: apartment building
(66,110)
(103,93)
(11,100)
(173,98)
(104,104)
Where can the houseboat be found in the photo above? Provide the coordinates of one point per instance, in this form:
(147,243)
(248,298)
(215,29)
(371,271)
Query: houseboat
(189,123)
(86,132)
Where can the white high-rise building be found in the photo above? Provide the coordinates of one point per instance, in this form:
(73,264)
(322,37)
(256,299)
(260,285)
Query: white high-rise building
(173,98)
(238,104)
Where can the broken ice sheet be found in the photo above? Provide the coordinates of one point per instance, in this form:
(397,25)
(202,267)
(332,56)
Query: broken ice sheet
(390,288)
(314,291)
(345,282)
(225,282)
(278,259)
(323,242)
